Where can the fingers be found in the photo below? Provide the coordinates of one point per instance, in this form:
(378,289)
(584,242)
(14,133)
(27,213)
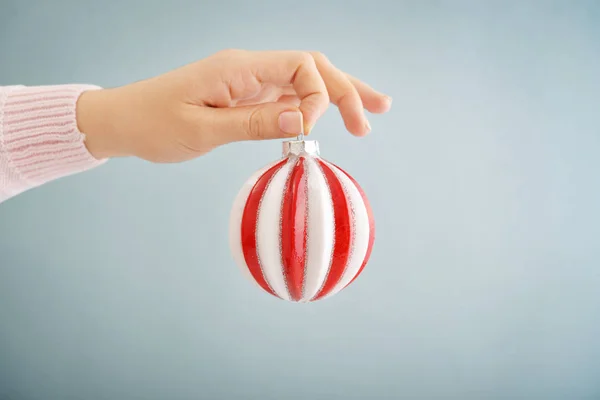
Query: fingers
(315,81)
(372,100)
(256,122)
(343,94)
(299,69)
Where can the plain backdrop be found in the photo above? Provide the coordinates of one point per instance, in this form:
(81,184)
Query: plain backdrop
(484,281)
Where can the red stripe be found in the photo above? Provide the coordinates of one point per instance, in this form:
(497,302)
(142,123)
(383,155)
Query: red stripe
(371,224)
(293,230)
(342,234)
(249,223)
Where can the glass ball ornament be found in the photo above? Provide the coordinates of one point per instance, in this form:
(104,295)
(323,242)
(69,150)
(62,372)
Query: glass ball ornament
(301,228)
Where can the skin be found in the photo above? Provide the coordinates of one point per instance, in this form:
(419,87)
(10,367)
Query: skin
(233,95)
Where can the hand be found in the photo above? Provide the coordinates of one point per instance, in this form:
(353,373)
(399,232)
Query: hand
(231,96)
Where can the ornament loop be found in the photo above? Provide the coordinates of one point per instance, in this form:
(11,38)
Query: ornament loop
(301,135)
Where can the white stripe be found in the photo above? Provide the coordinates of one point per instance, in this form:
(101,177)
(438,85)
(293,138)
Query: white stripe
(235,222)
(269,230)
(361,230)
(320,230)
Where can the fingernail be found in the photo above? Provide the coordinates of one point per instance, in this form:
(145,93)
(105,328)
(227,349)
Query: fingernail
(389,99)
(368,126)
(290,122)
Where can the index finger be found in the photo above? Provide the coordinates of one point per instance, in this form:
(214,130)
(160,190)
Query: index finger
(299,69)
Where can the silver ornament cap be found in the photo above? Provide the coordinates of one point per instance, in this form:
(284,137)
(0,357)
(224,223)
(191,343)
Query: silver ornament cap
(300,147)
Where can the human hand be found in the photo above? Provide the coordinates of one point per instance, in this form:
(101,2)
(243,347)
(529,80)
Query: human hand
(233,95)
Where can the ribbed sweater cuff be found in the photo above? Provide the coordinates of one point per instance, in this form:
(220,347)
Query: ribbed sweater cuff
(39,138)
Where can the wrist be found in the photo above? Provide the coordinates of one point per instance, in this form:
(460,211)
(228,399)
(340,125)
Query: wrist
(98,119)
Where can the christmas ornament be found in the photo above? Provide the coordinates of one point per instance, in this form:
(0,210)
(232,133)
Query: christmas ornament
(301,228)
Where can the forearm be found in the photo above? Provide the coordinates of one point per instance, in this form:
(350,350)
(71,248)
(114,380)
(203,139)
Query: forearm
(40,140)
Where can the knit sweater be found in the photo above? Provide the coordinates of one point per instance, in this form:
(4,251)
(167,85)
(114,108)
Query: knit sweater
(39,137)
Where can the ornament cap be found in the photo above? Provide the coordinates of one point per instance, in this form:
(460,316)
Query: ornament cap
(298,147)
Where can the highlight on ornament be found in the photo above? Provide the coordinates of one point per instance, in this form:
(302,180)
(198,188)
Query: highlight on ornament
(301,228)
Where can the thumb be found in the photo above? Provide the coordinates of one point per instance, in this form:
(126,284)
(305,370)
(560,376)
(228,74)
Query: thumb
(256,122)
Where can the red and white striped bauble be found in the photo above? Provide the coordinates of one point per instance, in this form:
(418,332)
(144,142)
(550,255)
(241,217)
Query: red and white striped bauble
(301,228)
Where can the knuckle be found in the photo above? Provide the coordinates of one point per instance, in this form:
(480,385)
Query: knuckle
(316,105)
(319,57)
(348,96)
(255,124)
(305,57)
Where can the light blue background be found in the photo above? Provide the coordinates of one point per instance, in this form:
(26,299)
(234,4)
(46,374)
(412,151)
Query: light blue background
(485,277)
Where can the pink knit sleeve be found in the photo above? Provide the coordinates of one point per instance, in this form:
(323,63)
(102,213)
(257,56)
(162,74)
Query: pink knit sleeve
(39,138)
